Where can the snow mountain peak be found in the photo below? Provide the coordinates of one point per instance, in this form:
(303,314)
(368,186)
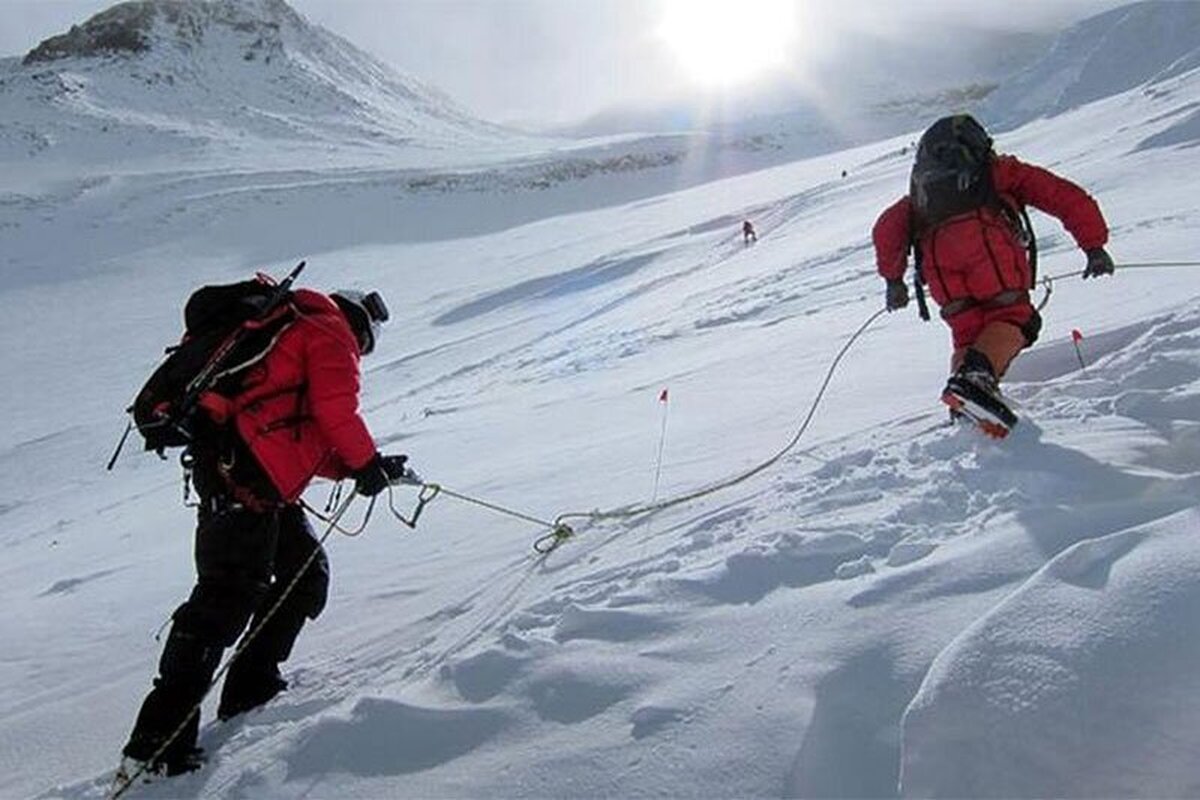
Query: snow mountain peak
(1143,43)
(149,78)
(140,25)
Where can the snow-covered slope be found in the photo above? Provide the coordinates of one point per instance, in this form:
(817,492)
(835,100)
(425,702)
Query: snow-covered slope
(157,126)
(818,630)
(1142,43)
(198,79)
(1084,678)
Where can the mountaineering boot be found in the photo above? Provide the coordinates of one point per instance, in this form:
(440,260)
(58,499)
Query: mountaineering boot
(248,689)
(170,764)
(974,392)
(179,763)
(254,678)
(145,771)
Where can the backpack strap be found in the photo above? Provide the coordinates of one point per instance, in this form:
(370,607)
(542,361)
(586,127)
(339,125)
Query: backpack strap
(1031,246)
(1017,217)
(919,279)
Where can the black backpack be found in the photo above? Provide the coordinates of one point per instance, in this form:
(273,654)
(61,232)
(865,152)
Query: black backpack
(952,175)
(229,328)
(952,172)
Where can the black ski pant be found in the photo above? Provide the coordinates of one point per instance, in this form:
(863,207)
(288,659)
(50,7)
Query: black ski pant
(245,561)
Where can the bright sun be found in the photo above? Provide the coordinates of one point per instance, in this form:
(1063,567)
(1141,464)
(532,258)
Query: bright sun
(725,42)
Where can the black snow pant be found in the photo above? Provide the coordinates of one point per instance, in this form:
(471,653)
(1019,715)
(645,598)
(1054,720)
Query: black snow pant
(245,560)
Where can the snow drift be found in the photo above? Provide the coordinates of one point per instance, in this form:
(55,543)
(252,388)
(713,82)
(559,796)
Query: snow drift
(1080,684)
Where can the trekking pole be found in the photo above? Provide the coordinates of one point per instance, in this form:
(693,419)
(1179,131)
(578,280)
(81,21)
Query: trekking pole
(663,400)
(112,462)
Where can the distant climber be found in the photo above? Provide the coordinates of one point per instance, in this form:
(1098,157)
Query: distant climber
(748,234)
(964,219)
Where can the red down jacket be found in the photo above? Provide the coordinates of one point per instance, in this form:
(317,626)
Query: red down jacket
(298,412)
(977,255)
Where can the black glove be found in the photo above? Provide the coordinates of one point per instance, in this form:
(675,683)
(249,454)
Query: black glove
(395,469)
(372,478)
(1099,262)
(897,294)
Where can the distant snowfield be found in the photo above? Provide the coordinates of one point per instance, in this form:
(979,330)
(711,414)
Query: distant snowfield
(896,607)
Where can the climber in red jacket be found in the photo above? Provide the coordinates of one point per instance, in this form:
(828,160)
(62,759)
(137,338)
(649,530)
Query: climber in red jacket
(963,220)
(293,416)
(298,409)
(749,235)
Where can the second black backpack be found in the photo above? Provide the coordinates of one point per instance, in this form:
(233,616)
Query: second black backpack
(228,328)
(952,172)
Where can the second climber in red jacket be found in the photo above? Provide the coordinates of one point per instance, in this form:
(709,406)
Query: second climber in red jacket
(294,416)
(962,219)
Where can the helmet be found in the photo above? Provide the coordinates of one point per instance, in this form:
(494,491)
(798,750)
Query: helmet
(365,312)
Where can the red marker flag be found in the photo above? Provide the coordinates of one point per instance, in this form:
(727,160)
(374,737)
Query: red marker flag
(662,440)
(1076,337)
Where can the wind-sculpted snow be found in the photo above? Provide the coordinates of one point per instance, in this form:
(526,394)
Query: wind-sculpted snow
(384,737)
(576,280)
(1082,683)
(1184,132)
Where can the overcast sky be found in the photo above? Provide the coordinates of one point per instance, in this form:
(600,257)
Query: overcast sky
(548,61)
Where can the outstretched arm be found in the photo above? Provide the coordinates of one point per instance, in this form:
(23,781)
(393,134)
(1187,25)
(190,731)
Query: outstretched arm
(892,235)
(1042,189)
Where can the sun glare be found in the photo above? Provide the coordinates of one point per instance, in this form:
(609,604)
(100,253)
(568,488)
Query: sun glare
(720,43)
